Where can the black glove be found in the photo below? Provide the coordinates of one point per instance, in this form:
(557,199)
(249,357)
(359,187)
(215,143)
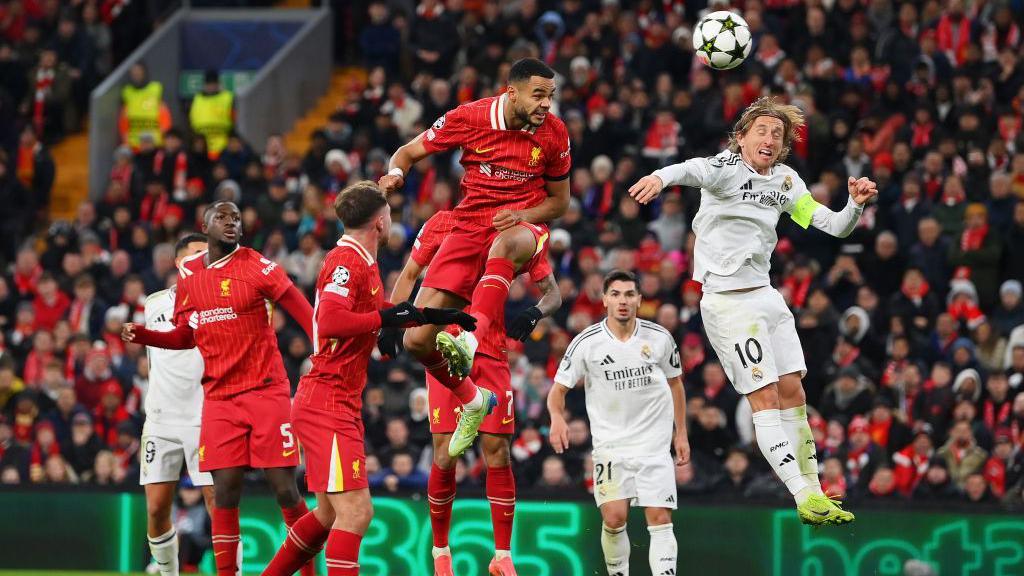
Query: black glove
(389,342)
(524,323)
(446,316)
(403,315)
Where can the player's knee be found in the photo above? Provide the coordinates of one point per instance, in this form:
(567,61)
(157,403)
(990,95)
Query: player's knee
(791,390)
(158,509)
(287,496)
(766,398)
(362,514)
(614,520)
(417,342)
(658,516)
(442,460)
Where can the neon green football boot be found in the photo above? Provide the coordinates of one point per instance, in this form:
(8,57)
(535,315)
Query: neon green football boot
(820,510)
(458,351)
(469,424)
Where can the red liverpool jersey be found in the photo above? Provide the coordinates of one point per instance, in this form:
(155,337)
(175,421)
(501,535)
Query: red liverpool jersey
(505,169)
(229,306)
(335,383)
(430,237)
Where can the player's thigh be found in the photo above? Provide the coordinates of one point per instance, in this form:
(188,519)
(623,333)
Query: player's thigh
(190,446)
(334,447)
(656,482)
(739,331)
(614,479)
(785,341)
(223,436)
(272,443)
(459,263)
(162,455)
(518,244)
(493,374)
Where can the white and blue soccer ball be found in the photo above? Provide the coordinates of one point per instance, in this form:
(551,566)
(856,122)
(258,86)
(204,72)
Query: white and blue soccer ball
(722,40)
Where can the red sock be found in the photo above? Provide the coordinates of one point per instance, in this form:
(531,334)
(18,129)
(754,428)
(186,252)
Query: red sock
(501,493)
(490,295)
(306,537)
(226,535)
(343,553)
(440,495)
(435,365)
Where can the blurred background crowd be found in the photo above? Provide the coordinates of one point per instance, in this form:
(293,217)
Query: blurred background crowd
(912,328)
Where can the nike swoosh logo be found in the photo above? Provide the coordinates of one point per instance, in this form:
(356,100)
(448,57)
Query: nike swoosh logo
(374,291)
(219,553)
(287,453)
(507,420)
(820,513)
(510,513)
(162,563)
(483,150)
(403,313)
(432,511)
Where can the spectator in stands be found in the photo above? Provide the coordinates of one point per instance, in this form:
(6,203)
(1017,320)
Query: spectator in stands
(1010,312)
(401,475)
(976,490)
(553,476)
(433,39)
(212,114)
(962,454)
(737,477)
(911,462)
(34,169)
(49,102)
(84,445)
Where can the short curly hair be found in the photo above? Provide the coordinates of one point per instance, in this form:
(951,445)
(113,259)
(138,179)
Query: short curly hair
(791,116)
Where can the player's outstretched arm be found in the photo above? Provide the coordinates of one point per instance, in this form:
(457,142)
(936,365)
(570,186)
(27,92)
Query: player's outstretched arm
(695,172)
(839,224)
(559,433)
(680,440)
(401,162)
(181,338)
(296,305)
(550,301)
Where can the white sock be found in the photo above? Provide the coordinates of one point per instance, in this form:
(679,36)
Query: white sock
(435,552)
(794,424)
(238,558)
(778,451)
(165,552)
(615,544)
(476,402)
(663,550)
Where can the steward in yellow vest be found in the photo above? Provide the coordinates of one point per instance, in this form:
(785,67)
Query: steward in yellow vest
(212,114)
(143,111)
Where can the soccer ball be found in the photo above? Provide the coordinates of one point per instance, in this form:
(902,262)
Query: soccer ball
(722,40)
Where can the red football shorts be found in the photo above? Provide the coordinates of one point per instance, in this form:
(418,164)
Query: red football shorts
(335,453)
(251,429)
(488,372)
(460,261)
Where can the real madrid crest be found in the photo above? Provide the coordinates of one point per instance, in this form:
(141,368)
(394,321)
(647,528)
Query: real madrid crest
(756,374)
(787,184)
(645,351)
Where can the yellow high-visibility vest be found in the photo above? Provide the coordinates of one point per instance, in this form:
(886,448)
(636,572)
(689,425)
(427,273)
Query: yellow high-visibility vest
(142,109)
(211,117)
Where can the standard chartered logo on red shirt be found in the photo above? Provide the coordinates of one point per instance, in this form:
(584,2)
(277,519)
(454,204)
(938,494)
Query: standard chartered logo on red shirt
(217,315)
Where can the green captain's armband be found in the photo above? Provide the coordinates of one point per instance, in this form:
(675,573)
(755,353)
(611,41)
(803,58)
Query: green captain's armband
(803,210)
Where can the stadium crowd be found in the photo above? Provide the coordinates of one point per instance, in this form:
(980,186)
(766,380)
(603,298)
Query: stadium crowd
(913,327)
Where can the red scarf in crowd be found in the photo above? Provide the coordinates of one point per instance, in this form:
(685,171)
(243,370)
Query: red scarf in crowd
(995,474)
(44,82)
(921,134)
(180,168)
(973,238)
(954,40)
(995,414)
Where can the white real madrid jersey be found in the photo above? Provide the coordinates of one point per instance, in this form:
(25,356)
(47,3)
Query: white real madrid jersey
(739,210)
(628,399)
(175,394)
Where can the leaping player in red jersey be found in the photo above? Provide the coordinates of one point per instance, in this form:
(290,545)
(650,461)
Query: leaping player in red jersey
(350,309)
(516,157)
(224,307)
(490,370)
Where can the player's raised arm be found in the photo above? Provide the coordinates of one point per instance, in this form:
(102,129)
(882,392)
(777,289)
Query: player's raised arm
(807,211)
(181,337)
(695,172)
(550,301)
(401,162)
